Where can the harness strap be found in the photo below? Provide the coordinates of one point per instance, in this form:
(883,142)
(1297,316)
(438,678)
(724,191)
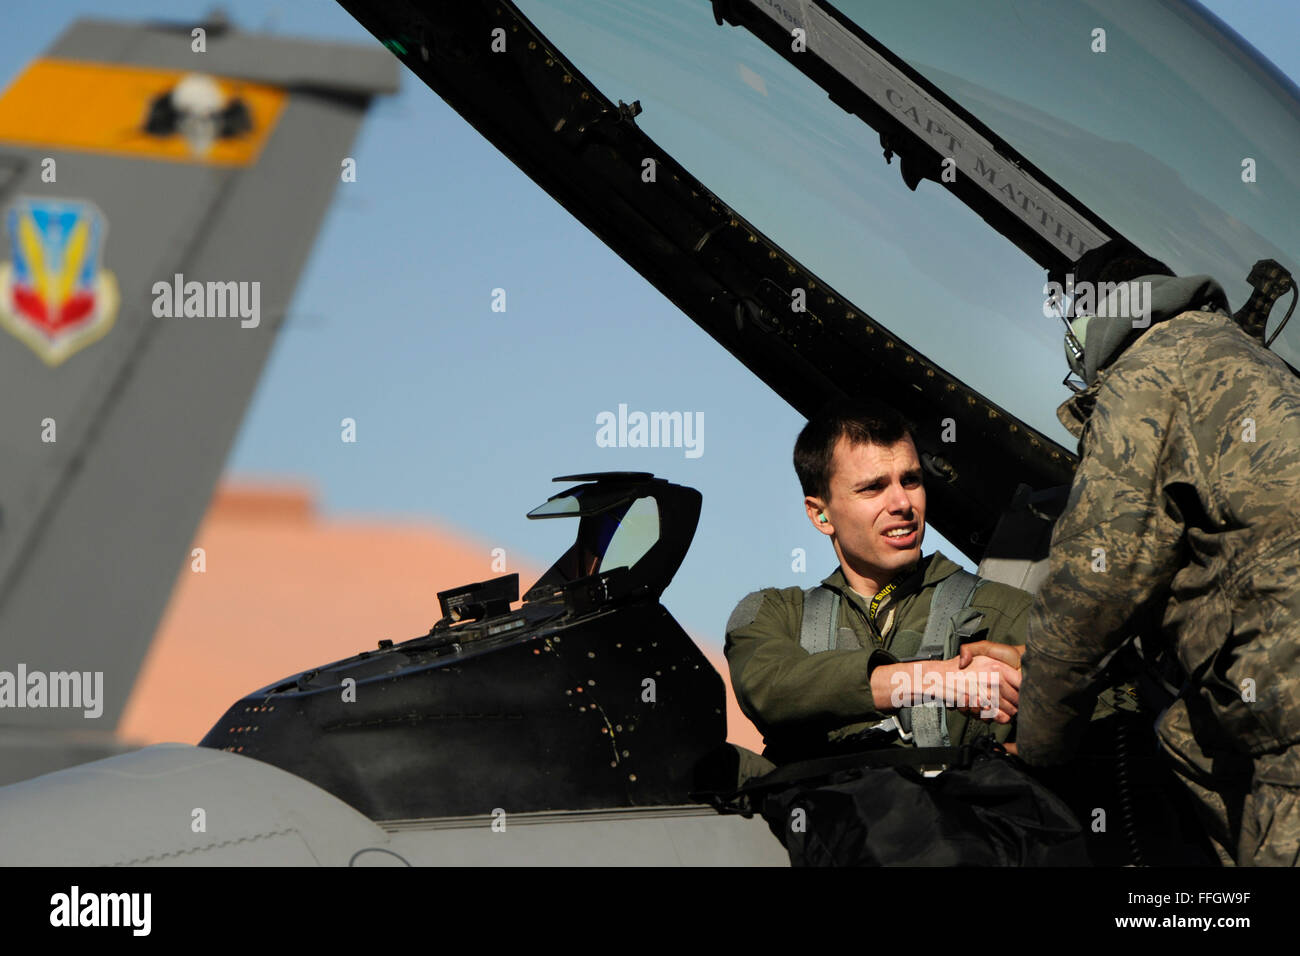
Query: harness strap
(928,722)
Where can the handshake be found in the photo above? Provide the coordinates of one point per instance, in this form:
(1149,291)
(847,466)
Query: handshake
(983,679)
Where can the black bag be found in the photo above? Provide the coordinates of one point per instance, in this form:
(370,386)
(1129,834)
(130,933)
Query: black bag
(985,811)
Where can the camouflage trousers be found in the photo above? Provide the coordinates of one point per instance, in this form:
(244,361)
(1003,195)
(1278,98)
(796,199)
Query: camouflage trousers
(1250,807)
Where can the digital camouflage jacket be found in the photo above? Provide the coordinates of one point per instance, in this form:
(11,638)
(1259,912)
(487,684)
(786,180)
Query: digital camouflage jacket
(1183,522)
(805,704)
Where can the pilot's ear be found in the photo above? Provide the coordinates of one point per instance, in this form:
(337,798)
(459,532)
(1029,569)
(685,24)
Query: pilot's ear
(816,509)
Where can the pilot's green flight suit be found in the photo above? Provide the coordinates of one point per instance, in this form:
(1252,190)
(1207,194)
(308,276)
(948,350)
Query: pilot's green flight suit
(805,704)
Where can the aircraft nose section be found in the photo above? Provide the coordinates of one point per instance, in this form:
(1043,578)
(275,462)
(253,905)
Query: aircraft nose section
(178,805)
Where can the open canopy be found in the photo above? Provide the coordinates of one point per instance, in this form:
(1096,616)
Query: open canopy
(703,147)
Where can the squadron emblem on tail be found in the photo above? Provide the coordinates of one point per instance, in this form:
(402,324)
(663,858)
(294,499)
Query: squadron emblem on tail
(53,294)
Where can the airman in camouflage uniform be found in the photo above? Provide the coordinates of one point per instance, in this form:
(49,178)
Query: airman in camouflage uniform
(862,482)
(1183,526)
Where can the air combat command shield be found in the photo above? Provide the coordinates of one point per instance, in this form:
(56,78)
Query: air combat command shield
(53,295)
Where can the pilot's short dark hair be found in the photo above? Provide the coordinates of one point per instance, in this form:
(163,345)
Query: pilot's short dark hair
(861,420)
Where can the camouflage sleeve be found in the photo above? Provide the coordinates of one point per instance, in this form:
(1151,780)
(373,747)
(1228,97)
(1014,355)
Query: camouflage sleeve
(1115,547)
(778,683)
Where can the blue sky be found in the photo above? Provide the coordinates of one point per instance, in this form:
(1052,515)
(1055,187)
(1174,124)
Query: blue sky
(464,414)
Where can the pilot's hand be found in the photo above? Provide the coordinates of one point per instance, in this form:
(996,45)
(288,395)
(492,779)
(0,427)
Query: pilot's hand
(984,686)
(1006,653)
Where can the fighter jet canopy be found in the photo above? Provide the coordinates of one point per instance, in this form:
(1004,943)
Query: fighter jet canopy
(814,184)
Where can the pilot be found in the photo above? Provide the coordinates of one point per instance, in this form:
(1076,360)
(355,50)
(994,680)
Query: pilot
(1182,527)
(826,670)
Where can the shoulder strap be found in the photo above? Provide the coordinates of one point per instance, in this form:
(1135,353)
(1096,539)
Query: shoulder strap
(929,722)
(821,612)
(951,596)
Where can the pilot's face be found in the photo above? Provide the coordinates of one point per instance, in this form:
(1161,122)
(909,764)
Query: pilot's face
(876,511)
